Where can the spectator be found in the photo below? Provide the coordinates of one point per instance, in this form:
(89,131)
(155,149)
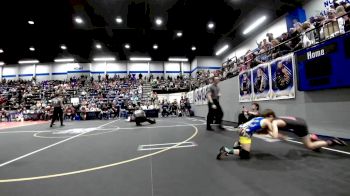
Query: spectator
(5,114)
(331,26)
(69,112)
(343,19)
(247,115)
(262,57)
(279,49)
(296,24)
(284,37)
(296,42)
(83,112)
(270,36)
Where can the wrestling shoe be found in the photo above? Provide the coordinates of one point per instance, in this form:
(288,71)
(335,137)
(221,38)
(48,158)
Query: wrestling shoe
(339,142)
(222,153)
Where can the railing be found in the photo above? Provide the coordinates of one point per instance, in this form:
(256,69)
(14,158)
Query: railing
(316,35)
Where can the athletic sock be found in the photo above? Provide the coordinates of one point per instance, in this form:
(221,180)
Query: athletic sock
(229,150)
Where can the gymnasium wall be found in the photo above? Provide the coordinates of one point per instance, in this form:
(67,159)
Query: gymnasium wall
(59,71)
(186,68)
(315,7)
(172,69)
(10,71)
(118,68)
(156,69)
(194,65)
(277,28)
(26,72)
(208,63)
(43,72)
(326,111)
(62,71)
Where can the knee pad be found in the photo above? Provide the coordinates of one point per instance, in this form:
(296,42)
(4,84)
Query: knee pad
(243,154)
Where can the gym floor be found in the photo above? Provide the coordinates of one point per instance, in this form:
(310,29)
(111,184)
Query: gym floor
(176,156)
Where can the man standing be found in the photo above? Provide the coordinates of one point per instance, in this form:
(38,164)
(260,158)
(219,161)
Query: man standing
(214,106)
(57,103)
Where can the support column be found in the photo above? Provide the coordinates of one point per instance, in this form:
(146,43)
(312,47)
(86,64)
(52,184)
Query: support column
(105,68)
(50,70)
(127,69)
(17,73)
(181,68)
(1,71)
(34,74)
(90,68)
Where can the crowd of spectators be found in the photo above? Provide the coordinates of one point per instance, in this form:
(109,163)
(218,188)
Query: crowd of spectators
(83,97)
(175,108)
(166,107)
(166,83)
(301,35)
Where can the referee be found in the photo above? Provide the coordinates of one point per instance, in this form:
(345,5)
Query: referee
(57,103)
(214,105)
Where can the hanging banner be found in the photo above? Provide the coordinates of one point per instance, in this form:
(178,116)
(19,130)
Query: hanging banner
(245,86)
(196,96)
(189,96)
(205,90)
(261,82)
(282,75)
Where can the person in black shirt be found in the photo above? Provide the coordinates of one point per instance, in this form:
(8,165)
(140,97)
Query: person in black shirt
(247,115)
(57,103)
(214,108)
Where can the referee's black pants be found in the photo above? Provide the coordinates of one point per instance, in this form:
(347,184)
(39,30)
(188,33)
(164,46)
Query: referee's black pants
(217,113)
(57,113)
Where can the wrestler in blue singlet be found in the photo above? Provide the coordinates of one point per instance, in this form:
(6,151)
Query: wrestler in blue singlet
(251,127)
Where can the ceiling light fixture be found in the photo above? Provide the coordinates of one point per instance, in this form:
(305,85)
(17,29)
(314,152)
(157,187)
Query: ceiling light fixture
(159,21)
(30,22)
(221,50)
(1,51)
(63,47)
(64,60)
(178,59)
(78,20)
(2,63)
(211,25)
(193,48)
(254,25)
(98,46)
(28,62)
(104,59)
(140,59)
(32,49)
(119,20)
(179,34)
(127,46)
(155,46)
